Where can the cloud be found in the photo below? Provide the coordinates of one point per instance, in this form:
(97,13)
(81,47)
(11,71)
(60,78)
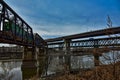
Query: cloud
(52,31)
(53,18)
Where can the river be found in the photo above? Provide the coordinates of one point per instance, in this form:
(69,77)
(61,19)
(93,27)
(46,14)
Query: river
(10,70)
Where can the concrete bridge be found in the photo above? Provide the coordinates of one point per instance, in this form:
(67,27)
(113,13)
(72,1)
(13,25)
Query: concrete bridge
(11,52)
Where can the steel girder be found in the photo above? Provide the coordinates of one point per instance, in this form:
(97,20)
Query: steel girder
(94,43)
(13,29)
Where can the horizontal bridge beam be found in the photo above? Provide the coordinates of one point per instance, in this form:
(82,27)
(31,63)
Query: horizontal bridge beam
(114,41)
(102,32)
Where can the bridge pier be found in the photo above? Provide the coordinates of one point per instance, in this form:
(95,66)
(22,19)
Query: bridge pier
(33,62)
(61,58)
(96,58)
(96,53)
(29,63)
(67,56)
(41,59)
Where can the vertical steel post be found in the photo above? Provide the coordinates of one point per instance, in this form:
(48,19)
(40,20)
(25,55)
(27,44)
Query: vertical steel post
(15,27)
(0,19)
(22,32)
(0,23)
(3,16)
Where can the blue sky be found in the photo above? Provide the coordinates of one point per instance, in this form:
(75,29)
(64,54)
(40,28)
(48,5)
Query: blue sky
(54,18)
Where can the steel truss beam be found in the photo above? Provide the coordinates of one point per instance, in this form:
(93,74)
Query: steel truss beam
(101,42)
(102,32)
(13,29)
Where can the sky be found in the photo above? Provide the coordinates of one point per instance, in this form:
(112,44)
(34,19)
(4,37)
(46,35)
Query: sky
(55,18)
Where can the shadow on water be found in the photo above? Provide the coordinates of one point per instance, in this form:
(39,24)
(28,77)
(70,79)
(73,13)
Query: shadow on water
(13,70)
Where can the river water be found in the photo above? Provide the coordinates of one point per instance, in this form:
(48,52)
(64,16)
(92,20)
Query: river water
(10,70)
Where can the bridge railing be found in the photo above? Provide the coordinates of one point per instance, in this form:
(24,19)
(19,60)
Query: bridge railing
(99,42)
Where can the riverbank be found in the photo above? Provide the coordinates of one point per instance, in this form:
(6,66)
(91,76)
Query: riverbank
(103,72)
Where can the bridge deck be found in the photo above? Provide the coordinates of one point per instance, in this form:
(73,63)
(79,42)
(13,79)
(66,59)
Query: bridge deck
(102,32)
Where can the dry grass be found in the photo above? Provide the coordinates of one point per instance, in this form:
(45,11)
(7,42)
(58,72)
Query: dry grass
(104,72)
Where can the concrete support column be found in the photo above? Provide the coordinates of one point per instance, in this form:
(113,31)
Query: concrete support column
(29,53)
(96,58)
(61,58)
(37,53)
(41,60)
(67,52)
(29,63)
(46,61)
(96,53)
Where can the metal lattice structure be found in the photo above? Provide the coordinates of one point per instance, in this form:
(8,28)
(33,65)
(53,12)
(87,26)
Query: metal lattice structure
(89,43)
(14,30)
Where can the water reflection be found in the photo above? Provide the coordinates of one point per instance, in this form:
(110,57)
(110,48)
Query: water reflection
(10,70)
(56,64)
